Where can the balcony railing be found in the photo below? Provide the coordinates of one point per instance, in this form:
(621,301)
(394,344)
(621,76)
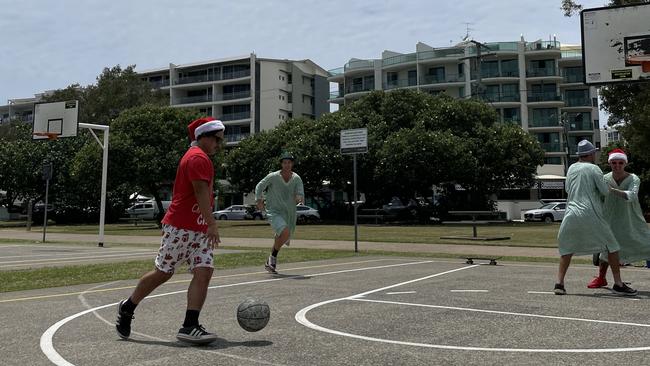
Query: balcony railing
(552,147)
(580,126)
(235,95)
(336,94)
(574,78)
(236,116)
(213,77)
(512,120)
(392,84)
(359,88)
(500,97)
(503,46)
(578,101)
(543,97)
(236,137)
(337,71)
(441,53)
(159,83)
(359,64)
(543,122)
(448,78)
(195,99)
(571,53)
(543,45)
(394,60)
(540,72)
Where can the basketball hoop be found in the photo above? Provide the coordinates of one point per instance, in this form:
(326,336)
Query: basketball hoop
(49,135)
(644,61)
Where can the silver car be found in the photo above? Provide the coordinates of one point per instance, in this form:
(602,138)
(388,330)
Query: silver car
(306,214)
(234,212)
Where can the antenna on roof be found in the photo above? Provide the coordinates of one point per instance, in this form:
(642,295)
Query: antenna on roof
(468,30)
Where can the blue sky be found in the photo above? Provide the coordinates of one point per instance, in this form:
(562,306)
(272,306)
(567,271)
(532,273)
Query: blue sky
(51,44)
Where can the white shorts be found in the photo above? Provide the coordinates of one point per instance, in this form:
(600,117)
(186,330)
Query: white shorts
(179,246)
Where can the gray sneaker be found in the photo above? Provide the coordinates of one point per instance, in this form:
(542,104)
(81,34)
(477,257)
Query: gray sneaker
(195,335)
(270,264)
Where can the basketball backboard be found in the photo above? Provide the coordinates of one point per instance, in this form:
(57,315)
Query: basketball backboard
(60,118)
(616,43)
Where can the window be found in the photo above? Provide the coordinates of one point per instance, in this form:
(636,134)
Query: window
(289,80)
(413,77)
(391,79)
(437,74)
(509,68)
(461,69)
(511,115)
(544,117)
(490,69)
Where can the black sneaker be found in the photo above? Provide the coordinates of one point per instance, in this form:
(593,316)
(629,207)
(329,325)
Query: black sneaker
(624,290)
(270,264)
(559,289)
(195,335)
(123,322)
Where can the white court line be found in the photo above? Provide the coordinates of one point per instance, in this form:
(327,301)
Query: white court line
(468,290)
(400,292)
(47,344)
(542,292)
(301,317)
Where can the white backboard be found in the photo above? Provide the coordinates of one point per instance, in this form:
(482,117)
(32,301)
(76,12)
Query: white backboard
(612,38)
(61,118)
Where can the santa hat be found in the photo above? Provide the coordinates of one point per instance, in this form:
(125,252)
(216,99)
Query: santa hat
(202,126)
(617,154)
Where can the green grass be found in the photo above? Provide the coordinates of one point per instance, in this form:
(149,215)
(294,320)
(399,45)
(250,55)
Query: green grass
(29,279)
(522,234)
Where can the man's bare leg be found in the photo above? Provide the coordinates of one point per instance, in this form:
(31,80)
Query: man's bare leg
(565,261)
(149,282)
(198,289)
(281,239)
(616,269)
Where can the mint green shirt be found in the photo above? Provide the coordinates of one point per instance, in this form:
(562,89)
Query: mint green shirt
(584,229)
(280,200)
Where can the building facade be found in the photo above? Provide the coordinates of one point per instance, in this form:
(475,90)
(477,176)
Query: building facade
(537,85)
(247,93)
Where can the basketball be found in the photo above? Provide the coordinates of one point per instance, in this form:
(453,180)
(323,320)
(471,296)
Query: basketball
(253,314)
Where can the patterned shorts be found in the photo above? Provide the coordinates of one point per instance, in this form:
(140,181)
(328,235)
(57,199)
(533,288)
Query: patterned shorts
(179,246)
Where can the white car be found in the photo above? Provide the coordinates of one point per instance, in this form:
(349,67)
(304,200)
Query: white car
(549,212)
(306,214)
(234,212)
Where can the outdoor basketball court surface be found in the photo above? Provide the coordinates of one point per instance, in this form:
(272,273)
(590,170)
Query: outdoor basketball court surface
(357,311)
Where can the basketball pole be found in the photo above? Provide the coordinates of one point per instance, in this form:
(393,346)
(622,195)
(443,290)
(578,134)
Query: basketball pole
(102,209)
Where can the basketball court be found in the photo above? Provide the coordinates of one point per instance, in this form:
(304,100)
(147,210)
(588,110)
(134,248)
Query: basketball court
(357,311)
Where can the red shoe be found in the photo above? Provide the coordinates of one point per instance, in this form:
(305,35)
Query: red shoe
(597,282)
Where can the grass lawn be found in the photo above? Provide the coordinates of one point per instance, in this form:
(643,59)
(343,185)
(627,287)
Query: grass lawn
(522,234)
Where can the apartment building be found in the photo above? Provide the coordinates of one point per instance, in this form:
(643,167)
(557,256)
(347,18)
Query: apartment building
(537,85)
(249,94)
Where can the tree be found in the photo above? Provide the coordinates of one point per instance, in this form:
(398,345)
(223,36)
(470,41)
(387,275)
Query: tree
(415,141)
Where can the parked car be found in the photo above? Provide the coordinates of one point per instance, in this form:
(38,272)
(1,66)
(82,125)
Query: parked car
(549,212)
(306,214)
(234,212)
(146,210)
(252,213)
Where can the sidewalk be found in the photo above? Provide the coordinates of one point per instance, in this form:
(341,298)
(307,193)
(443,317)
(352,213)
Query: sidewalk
(473,249)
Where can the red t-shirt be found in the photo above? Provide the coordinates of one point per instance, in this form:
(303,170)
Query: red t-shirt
(184,212)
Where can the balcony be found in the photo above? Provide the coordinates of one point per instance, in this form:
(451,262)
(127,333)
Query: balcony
(543,45)
(403,83)
(442,53)
(336,72)
(512,120)
(551,146)
(359,64)
(500,97)
(571,53)
(578,101)
(503,46)
(236,116)
(235,95)
(543,122)
(573,78)
(359,88)
(401,59)
(435,79)
(213,77)
(541,72)
(159,84)
(544,97)
(236,137)
(336,94)
(497,74)
(195,99)
(580,126)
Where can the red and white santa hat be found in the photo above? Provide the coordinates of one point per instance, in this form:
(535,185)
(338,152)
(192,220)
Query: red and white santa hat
(617,154)
(203,125)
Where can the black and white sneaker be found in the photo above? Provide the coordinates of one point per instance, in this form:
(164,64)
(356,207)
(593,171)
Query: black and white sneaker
(624,290)
(195,335)
(559,289)
(123,322)
(270,264)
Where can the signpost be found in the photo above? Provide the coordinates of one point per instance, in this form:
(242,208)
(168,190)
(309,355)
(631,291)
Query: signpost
(47,175)
(354,142)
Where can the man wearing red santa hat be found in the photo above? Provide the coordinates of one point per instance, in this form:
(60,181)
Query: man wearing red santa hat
(190,234)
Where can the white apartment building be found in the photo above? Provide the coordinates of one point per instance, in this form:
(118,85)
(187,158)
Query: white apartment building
(537,85)
(249,94)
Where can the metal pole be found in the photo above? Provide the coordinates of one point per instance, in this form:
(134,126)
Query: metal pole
(47,191)
(102,209)
(30,209)
(356,229)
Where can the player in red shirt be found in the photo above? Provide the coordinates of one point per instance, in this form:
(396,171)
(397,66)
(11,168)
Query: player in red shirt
(189,235)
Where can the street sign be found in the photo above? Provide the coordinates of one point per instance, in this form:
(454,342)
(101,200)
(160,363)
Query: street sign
(47,171)
(354,141)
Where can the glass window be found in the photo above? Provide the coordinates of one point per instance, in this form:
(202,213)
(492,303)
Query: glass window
(510,68)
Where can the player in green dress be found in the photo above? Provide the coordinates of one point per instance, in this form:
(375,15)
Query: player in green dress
(624,214)
(584,229)
(281,190)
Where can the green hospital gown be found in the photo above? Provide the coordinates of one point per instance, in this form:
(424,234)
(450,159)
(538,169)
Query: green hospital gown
(280,200)
(584,229)
(626,220)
